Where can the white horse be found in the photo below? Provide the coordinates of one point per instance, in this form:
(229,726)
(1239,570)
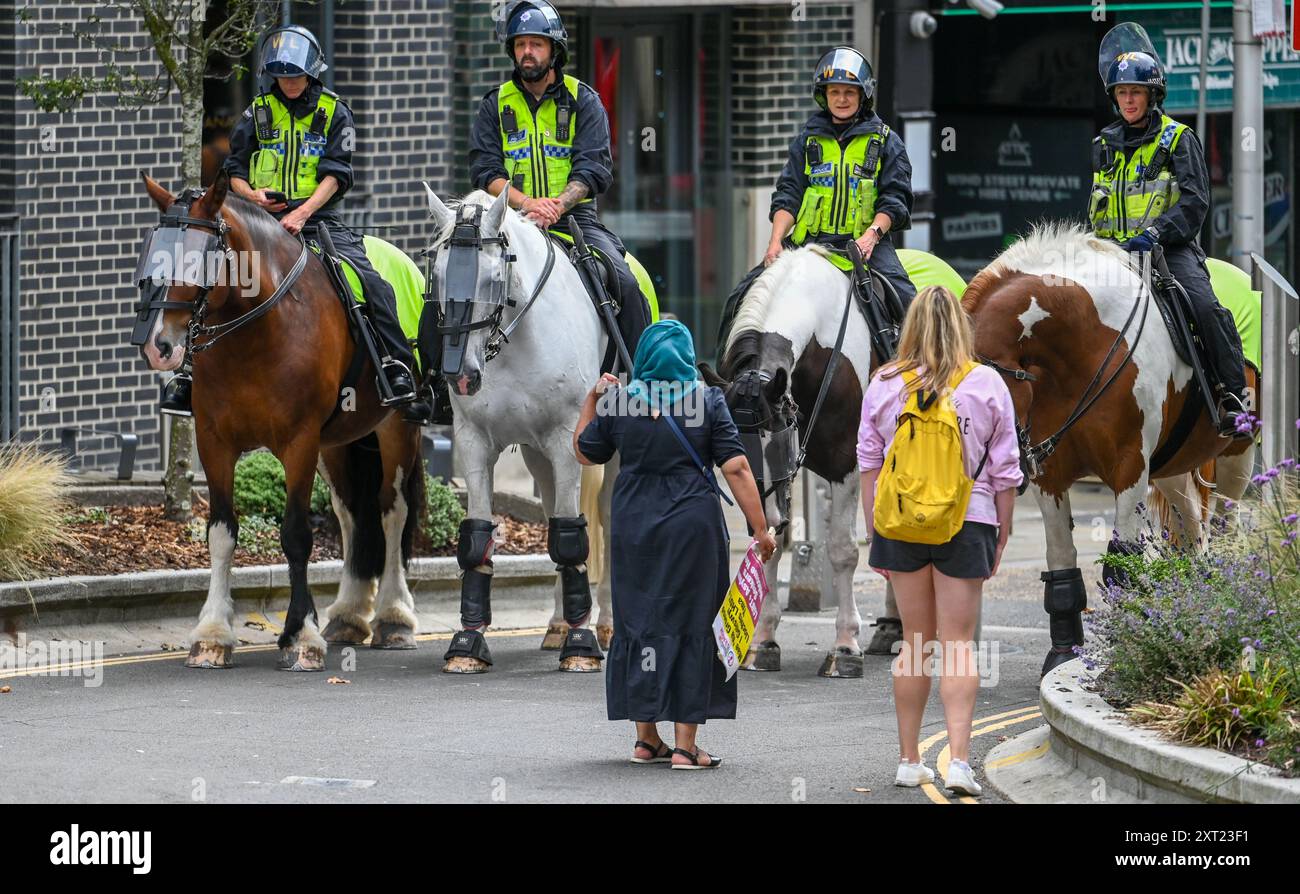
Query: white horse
(530,394)
(783,336)
(1051,313)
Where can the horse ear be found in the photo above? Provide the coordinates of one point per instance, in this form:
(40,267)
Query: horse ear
(211,201)
(161,197)
(496,214)
(709,376)
(441,214)
(775,389)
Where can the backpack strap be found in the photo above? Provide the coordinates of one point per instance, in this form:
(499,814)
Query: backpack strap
(695,458)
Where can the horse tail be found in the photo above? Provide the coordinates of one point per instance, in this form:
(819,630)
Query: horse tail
(589,504)
(413,493)
(365,472)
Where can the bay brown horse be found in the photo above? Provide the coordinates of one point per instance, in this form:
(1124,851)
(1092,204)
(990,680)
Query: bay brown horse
(1074,330)
(278,381)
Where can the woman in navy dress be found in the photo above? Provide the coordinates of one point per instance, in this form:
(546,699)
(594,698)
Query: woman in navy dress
(671,561)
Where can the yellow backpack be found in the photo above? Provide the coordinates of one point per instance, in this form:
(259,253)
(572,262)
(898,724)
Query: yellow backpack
(922,491)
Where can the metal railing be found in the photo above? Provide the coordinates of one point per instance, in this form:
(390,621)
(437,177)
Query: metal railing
(10,247)
(1279,404)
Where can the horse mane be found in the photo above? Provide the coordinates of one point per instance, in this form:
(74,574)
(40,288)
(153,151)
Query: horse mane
(757,304)
(263,229)
(1061,246)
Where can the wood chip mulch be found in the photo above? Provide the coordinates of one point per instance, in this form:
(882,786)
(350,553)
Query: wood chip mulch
(139,538)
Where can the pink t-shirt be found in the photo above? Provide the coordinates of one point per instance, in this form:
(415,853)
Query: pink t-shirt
(985,415)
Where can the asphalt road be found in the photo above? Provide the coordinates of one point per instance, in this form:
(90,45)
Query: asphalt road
(401,731)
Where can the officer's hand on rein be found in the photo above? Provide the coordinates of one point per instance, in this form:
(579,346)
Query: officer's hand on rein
(293,222)
(867,243)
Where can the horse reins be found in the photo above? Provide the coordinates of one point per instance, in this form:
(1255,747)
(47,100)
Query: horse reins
(1037,454)
(494,342)
(215,333)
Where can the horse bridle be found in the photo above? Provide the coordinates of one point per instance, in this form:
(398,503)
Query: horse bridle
(177,216)
(465,244)
(1034,456)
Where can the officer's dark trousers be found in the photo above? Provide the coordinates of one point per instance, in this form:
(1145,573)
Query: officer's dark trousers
(1215,323)
(634,313)
(380,300)
(884,261)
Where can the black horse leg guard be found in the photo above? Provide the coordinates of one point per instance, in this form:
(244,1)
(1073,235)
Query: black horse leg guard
(1064,598)
(567,544)
(474,553)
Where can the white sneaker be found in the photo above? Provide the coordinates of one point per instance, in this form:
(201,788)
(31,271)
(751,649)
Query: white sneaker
(910,775)
(961,779)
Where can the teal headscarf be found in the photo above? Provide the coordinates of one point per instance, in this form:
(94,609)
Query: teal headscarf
(664,366)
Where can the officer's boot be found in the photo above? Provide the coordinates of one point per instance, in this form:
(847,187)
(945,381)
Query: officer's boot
(176,394)
(1233,417)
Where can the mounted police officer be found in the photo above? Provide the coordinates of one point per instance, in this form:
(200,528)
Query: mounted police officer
(297,140)
(544,136)
(847,177)
(1151,187)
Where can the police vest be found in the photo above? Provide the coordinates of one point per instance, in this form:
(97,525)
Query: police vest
(538,147)
(1129,193)
(841,196)
(289,148)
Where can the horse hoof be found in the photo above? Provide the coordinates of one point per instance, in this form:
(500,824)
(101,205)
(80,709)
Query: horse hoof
(463,664)
(888,632)
(345,633)
(211,656)
(841,662)
(580,664)
(555,636)
(393,636)
(302,659)
(762,657)
(603,636)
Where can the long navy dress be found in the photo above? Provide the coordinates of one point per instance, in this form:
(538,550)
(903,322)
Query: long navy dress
(670,563)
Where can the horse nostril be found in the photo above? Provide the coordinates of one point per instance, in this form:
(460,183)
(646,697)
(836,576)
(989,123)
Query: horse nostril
(164,348)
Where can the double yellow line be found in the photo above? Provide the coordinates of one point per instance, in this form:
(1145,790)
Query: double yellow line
(980,726)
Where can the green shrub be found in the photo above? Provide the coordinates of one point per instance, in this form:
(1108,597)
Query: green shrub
(442,513)
(33,508)
(259,488)
(260,535)
(1227,710)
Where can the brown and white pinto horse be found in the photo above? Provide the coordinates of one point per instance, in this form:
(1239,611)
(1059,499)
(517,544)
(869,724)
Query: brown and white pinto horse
(1055,312)
(275,382)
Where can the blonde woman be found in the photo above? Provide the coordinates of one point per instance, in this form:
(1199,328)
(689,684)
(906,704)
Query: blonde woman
(939,587)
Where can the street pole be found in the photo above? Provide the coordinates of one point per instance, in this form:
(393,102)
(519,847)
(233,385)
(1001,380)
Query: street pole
(1248,136)
(1204,63)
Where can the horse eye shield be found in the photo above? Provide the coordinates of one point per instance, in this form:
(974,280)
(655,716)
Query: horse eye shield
(464,273)
(180,256)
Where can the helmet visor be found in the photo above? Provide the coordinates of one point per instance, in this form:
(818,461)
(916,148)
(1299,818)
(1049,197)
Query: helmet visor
(843,66)
(288,54)
(1127,37)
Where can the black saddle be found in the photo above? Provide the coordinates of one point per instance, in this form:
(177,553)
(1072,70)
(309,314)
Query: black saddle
(1164,299)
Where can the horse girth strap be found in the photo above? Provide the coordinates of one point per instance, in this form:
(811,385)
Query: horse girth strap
(213,334)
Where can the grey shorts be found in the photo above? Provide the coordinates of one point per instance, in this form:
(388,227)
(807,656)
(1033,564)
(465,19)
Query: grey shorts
(969,554)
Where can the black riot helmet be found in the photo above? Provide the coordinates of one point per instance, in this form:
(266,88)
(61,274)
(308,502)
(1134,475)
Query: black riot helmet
(844,65)
(532,17)
(290,52)
(1137,68)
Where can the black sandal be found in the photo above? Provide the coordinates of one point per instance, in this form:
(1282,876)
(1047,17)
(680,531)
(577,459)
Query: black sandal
(660,756)
(694,758)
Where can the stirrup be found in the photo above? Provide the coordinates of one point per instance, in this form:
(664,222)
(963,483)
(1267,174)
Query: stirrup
(389,368)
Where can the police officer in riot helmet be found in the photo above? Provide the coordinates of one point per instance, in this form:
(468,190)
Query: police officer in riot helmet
(295,142)
(544,136)
(843,149)
(1151,187)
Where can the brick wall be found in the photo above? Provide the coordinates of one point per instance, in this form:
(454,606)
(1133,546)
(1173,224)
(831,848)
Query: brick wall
(77,188)
(772,65)
(393,64)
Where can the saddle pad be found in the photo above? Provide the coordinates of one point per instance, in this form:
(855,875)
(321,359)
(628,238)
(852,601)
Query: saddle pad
(639,273)
(400,272)
(925,269)
(1232,288)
